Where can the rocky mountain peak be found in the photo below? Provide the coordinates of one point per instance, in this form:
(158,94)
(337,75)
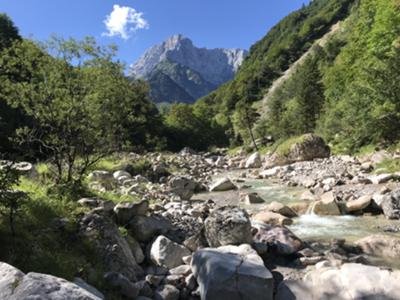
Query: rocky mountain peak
(205,68)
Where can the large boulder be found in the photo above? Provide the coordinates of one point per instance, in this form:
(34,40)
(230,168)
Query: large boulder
(304,148)
(326,206)
(347,282)
(358,204)
(231,272)
(223,184)
(275,239)
(380,245)
(125,211)
(166,253)
(254,161)
(391,205)
(183,187)
(15,285)
(144,228)
(110,246)
(228,225)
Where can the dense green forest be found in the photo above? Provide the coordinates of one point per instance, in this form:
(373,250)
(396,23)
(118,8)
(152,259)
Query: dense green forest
(346,90)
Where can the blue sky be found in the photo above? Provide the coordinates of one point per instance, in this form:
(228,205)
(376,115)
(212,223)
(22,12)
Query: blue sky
(135,25)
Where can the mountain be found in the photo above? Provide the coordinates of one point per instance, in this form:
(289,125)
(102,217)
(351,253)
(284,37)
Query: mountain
(178,71)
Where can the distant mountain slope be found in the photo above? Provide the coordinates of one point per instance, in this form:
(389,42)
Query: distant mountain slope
(192,72)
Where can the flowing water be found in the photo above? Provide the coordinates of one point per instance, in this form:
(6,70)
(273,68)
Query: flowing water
(308,226)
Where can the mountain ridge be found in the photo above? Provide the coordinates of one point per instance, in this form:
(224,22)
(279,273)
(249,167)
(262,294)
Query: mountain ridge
(206,69)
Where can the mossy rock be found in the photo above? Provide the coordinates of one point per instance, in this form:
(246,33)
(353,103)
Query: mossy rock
(306,147)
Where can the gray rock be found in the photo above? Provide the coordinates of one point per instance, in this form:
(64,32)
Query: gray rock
(230,272)
(136,249)
(167,292)
(251,198)
(91,289)
(275,239)
(254,161)
(143,229)
(166,253)
(380,245)
(110,246)
(223,184)
(15,285)
(183,187)
(125,211)
(181,270)
(391,205)
(122,284)
(228,225)
(347,282)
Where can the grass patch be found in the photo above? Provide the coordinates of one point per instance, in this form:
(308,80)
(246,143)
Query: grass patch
(283,148)
(233,151)
(388,166)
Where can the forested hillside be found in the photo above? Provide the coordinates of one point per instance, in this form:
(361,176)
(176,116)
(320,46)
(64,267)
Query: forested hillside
(346,91)
(271,56)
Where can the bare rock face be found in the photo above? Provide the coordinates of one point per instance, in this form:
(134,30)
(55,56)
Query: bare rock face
(110,245)
(228,225)
(179,71)
(232,272)
(15,285)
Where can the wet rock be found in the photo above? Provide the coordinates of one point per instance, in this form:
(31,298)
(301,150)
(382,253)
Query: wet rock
(183,187)
(347,282)
(223,184)
(166,253)
(251,198)
(232,272)
(15,285)
(272,218)
(282,209)
(327,206)
(125,211)
(228,225)
(380,245)
(277,239)
(254,161)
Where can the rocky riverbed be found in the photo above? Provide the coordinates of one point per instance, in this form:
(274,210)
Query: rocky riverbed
(239,226)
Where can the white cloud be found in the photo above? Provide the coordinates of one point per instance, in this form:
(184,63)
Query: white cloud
(124,21)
